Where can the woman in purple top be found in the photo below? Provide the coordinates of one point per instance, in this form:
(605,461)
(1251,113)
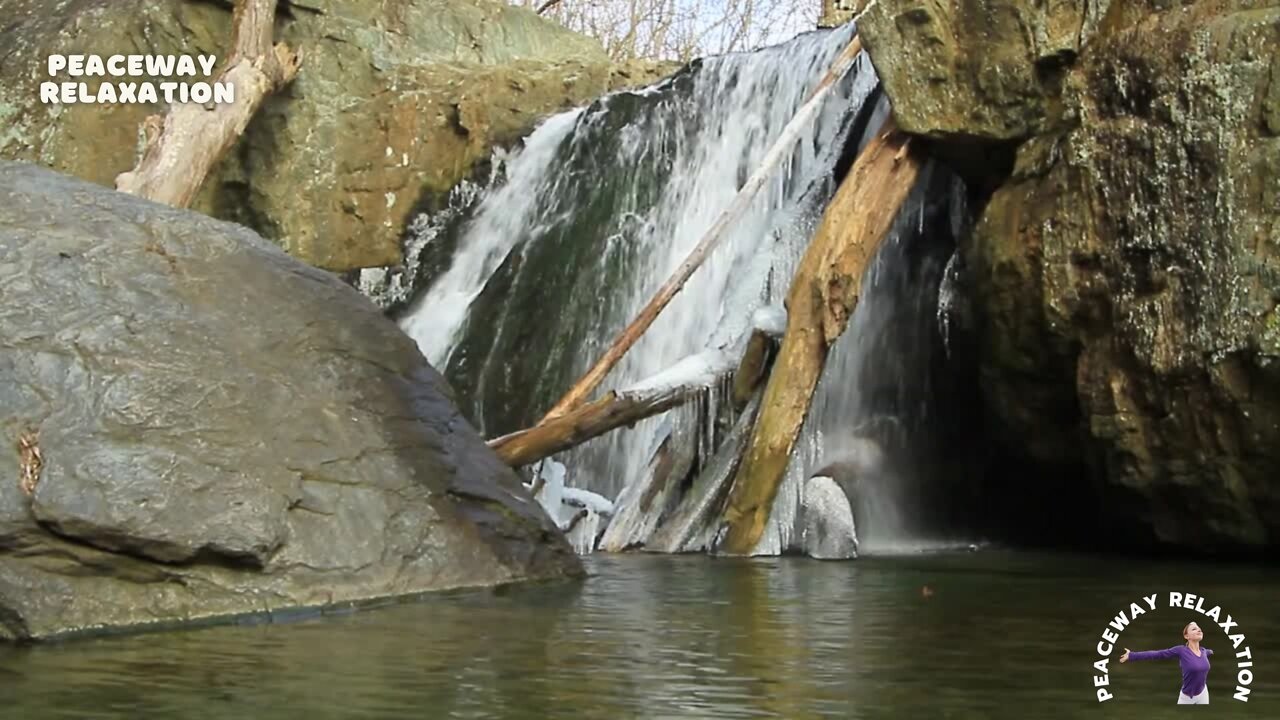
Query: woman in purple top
(1193,659)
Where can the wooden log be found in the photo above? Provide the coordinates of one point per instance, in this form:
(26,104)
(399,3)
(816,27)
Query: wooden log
(691,526)
(649,397)
(643,503)
(779,151)
(183,147)
(770,324)
(617,409)
(643,506)
(821,299)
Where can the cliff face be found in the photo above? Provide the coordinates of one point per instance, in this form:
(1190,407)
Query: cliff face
(1126,273)
(395,99)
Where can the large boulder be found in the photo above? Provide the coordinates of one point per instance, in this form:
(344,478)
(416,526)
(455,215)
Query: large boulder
(1126,276)
(395,100)
(221,429)
(979,70)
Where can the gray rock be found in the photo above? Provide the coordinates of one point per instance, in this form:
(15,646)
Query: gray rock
(223,429)
(826,521)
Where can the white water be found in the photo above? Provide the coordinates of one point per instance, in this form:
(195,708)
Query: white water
(503,218)
(873,402)
(707,140)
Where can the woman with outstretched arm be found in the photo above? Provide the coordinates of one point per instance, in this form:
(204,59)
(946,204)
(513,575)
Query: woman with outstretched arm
(1193,659)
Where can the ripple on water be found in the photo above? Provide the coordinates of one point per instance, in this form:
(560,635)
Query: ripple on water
(1005,635)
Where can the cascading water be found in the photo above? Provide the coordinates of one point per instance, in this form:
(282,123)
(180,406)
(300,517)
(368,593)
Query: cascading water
(507,217)
(598,209)
(873,425)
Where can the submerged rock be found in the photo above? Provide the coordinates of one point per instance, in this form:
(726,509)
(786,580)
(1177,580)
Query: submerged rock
(221,430)
(395,99)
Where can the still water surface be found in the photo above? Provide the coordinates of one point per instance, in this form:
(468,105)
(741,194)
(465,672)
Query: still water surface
(1003,635)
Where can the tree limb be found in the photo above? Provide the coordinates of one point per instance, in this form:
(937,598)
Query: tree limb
(546,6)
(182,148)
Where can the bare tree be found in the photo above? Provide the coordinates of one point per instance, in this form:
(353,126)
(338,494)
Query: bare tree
(681,29)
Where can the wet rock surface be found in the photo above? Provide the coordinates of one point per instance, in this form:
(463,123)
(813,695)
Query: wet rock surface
(221,429)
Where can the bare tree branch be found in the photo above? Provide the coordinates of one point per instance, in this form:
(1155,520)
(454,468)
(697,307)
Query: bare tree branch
(183,147)
(680,29)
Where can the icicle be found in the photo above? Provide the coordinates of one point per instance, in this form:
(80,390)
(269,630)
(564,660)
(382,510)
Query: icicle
(947,300)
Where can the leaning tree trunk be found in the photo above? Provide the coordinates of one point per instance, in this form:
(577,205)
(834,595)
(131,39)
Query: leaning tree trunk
(822,297)
(183,147)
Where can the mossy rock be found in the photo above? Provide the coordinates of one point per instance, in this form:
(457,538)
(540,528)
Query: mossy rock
(394,99)
(1128,276)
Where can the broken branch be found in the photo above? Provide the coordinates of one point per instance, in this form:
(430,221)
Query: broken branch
(182,148)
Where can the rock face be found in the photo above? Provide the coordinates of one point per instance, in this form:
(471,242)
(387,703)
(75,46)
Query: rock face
(979,69)
(395,99)
(221,429)
(1126,276)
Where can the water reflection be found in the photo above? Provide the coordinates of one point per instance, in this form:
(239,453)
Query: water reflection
(1002,636)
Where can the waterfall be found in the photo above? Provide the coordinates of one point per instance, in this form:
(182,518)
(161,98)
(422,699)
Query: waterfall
(873,425)
(505,218)
(597,209)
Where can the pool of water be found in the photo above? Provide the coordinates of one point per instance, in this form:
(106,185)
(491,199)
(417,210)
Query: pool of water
(997,635)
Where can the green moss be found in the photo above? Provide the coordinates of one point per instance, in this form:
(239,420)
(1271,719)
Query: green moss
(1270,337)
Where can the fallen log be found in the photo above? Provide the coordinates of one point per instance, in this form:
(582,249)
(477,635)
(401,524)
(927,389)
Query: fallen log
(616,409)
(183,147)
(821,299)
(781,147)
(647,398)
(691,526)
(643,503)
